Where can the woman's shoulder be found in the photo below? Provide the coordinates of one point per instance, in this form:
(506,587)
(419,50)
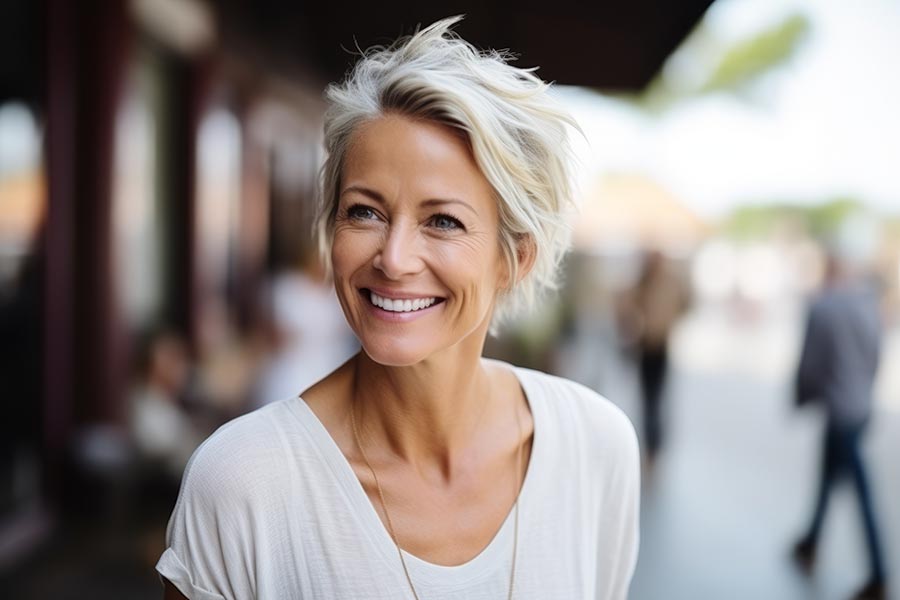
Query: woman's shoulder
(224,512)
(249,449)
(256,430)
(576,410)
(555,389)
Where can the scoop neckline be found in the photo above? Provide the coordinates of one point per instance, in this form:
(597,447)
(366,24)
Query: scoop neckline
(483,564)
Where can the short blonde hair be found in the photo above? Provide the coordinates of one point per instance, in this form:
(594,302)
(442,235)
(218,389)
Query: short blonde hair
(517,133)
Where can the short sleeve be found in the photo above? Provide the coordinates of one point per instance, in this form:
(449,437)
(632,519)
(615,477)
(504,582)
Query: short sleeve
(207,556)
(616,470)
(171,567)
(622,533)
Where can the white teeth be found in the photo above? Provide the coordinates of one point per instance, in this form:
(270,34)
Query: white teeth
(400,305)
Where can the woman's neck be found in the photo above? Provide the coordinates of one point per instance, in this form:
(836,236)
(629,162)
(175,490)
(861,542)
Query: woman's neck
(428,414)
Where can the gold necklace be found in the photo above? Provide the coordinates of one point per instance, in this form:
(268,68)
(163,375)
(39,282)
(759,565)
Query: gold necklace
(390,524)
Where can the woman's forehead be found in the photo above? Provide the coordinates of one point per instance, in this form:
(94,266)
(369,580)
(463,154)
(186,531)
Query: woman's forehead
(396,155)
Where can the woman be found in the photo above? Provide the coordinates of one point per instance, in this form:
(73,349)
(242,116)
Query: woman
(419,469)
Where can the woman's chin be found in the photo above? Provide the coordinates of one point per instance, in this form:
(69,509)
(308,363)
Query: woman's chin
(394,355)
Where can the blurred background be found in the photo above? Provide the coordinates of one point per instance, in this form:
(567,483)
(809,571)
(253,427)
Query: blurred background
(158,164)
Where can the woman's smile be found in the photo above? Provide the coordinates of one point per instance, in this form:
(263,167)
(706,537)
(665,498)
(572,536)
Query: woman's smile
(400,306)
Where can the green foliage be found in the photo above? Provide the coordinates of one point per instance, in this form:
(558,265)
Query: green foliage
(761,221)
(825,219)
(753,222)
(753,57)
(734,67)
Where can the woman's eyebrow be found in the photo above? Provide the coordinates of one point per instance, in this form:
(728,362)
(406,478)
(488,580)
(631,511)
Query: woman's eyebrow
(428,203)
(442,201)
(364,191)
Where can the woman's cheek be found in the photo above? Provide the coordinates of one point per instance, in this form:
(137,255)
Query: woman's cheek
(345,246)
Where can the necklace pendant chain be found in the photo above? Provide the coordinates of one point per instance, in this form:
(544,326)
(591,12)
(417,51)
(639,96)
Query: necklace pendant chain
(390,524)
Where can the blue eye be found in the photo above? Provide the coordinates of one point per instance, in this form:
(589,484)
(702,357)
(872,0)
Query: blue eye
(446,222)
(361,212)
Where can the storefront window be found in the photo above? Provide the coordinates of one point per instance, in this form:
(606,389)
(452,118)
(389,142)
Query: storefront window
(218,198)
(135,210)
(21,189)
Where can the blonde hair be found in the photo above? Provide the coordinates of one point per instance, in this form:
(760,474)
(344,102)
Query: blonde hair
(517,133)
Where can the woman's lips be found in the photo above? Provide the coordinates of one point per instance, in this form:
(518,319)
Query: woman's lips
(399,307)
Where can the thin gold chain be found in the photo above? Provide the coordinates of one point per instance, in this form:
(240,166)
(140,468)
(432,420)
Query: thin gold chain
(390,524)
(387,515)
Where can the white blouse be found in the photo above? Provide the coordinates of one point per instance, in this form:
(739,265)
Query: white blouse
(270,508)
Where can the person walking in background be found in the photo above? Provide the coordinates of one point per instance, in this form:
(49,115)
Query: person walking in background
(650,312)
(838,363)
(312,337)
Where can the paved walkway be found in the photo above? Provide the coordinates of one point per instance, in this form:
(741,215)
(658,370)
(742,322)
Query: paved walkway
(735,483)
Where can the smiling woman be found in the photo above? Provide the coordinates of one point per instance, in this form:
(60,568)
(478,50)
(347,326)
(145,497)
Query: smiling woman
(418,468)
(416,221)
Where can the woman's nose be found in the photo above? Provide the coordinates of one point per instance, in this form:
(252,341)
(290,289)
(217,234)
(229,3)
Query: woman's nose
(400,253)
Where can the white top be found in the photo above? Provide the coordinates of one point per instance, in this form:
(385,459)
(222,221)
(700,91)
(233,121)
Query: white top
(270,508)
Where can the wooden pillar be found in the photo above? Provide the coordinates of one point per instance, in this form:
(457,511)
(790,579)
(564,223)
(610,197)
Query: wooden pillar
(87,46)
(184,94)
(59,240)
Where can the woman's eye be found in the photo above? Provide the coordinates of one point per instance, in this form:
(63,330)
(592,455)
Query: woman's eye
(361,212)
(446,222)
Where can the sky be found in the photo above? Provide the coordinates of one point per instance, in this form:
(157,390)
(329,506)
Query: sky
(825,125)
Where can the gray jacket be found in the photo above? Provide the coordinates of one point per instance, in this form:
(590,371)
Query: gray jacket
(841,349)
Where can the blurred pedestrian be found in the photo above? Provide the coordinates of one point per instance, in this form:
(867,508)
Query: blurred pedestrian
(837,369)
(312,337)
(163,433)
(650,312)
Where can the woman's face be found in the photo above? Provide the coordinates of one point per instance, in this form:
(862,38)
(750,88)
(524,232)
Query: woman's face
(416,253)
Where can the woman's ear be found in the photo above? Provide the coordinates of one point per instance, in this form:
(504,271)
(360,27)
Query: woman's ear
(526,253)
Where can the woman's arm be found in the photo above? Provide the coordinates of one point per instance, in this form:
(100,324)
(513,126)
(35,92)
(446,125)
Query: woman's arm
(172,592)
